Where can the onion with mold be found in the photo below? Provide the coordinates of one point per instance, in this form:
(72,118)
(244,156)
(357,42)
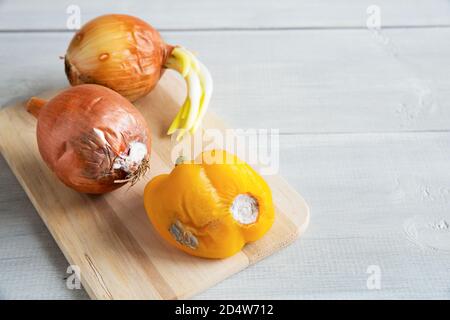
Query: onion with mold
(92,138)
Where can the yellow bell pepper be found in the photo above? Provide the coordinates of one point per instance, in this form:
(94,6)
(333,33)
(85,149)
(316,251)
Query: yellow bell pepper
(210,208)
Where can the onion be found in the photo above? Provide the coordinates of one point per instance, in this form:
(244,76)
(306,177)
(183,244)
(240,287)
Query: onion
(94,139)
(127,55)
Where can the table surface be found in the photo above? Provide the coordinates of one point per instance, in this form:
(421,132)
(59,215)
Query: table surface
(364,119)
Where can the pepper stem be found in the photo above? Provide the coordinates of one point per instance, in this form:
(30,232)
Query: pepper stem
(199,89)
(34,105)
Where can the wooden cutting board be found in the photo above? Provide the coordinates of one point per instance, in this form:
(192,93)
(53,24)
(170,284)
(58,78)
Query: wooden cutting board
(110,237)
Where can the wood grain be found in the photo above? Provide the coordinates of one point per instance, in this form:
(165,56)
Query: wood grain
(333,81)
(361,188)
(356,141)
(231,14)
(110,237)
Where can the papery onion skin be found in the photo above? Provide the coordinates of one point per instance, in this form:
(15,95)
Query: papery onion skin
(82,130)
(118,51)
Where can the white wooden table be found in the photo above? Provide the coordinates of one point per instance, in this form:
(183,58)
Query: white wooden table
(364,120)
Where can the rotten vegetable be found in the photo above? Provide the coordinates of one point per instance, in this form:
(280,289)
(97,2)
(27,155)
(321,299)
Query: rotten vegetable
(210,207)
(92,138)
(129,56)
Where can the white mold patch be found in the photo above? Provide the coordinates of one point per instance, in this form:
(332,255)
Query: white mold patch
(130,161)
(245,209)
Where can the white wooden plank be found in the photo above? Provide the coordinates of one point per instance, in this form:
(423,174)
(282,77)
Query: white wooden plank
(297,81)
(31,264)
(179,14)
(363,189)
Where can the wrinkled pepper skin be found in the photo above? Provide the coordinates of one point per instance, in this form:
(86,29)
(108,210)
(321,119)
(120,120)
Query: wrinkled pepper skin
(191,206)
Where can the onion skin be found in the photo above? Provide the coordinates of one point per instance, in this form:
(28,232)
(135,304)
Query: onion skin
(82,130)
(118,51)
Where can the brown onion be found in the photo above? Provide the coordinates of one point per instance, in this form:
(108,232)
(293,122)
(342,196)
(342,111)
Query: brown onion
(94,139)
(118,51)
(128,55)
